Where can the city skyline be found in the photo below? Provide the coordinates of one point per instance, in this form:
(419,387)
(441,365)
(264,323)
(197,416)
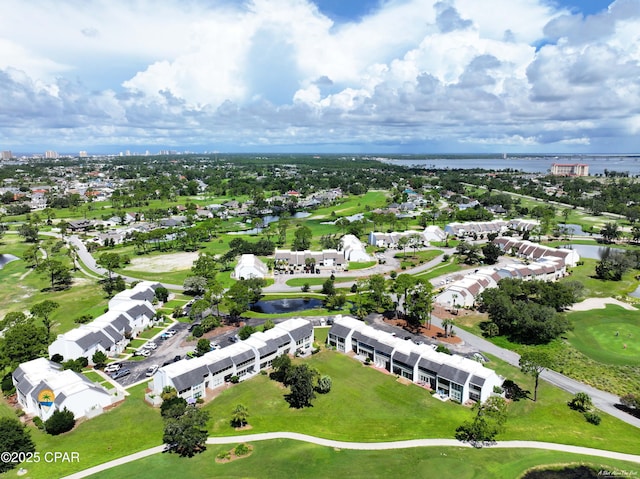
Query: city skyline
(296,76)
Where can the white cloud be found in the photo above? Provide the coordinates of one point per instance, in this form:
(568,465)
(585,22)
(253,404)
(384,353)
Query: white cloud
(278,72)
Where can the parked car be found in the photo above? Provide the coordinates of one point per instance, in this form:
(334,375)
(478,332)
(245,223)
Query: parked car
(150,345)
(171,332)
(233,339)
(151,370)
(142,352)
(214,345)
(119,374)
(177,358)
(112,368)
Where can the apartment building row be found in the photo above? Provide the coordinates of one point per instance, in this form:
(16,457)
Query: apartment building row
(244,359)
(451,376)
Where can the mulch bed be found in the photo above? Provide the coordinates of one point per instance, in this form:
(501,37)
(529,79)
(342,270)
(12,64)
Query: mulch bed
(433,332)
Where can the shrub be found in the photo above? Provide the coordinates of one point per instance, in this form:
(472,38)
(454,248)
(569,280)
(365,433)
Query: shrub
(443,349)
(224,455)
(59,422)
(592,418)
(99,359)
(580,402)
(198,331)
(234,379)
(324,385)
(37,422)
(7,385)
(241,450)
(57,358)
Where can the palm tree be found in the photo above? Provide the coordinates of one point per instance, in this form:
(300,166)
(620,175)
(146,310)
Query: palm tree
(240,416)
(447,324)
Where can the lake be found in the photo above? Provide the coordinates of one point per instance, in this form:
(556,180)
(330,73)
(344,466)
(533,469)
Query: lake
(589,251)
(6,258)
(542,164)
(287,305)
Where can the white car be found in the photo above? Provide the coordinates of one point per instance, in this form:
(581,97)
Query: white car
(112,368)
(150,345)
(151,370)
(143,352)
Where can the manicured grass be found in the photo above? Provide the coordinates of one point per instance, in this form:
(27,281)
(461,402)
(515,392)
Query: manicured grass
(149,333)
(353,265)
(440,270)
(286,458)
(315,281)
(610,335)
(93,376)
(597,288)
(373,406)
(132,426)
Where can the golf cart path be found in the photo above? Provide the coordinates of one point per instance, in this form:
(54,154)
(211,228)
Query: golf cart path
(600,303)
(365,446)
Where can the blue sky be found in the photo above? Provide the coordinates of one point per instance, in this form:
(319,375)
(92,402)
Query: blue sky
(389,76)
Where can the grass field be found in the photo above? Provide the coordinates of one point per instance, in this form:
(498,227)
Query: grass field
(610,335)
(286,458)
(597,288)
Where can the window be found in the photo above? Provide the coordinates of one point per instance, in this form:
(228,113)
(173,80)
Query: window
(456,392)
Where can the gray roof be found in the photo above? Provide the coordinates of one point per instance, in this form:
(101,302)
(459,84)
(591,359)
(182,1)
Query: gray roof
(429,365)
(269,348)
(59,399)
(302,332)
(282,339)
(219,365)
(453,374)
(372,342)
(410,360)
(89,339)
(121,323)
(243,357)
(140,310)
(478,381)
(339,330)
(190,378)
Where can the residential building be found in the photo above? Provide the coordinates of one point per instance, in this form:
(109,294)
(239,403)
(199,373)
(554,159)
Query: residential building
(451,376)
(476,228)
(43,387)
(535,251)
(570,169)
(422,238)
(250,266)
(244,359)
(353,249)
(298,259)
(130,312)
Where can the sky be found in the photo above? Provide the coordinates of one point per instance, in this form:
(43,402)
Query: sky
(320,76)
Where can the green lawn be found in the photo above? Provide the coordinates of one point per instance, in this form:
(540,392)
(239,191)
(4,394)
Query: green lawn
(597,288)
(410,259)
(149,333)
(440,270)
(285,458)
(353,265)
(610,335)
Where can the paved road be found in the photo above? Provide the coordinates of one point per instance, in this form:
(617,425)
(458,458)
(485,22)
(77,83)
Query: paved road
(601,399)
(365,446)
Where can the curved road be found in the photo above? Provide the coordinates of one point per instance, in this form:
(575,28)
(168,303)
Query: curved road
(602,400)
(365,446)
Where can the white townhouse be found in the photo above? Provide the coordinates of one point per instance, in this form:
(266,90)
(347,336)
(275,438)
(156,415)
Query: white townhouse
(534,251)
(422,238)
(329,258)
(250,266)
(244,359)
(130,312)
(464,292)
(42,388)
(456,377)
(353,249)
(476,227)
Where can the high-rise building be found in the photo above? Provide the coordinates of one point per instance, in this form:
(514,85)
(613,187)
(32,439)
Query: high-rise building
(6,155)
(51,154)
(83,154)
(570,169)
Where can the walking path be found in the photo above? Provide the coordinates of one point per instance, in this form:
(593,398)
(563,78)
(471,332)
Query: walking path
(365,446)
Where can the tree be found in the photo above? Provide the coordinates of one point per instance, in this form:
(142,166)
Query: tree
(162,294)
(60,422)
(534,362)
(245,331)
(401,286)
(328,287)
(268,324)
(281,366)
(110,262)
(205,265)
(173,407)
(610,232)
(300,381)
(29,232)
(203,346)
(43,311)
(187,435)
(194,285)
(580,402)
(14,438)
(99,359)
(238,299)
(419,303)
(59,274)
(240,416)
(378,291)
(22,343)
(302,238)
(447,324)
(491,253)
(488,422)
(198,308)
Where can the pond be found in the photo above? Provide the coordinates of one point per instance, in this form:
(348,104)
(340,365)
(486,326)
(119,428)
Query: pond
(588,250)
(574,230)
(287,305)
(6,258)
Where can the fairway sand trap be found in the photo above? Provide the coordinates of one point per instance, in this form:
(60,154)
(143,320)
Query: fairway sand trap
(164,263)
(599,303)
